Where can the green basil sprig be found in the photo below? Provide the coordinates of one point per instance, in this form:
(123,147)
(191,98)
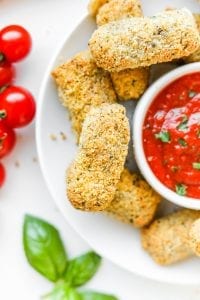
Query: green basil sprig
(89,295)
(81,269)
(43,248)
(63,292)
(46,254)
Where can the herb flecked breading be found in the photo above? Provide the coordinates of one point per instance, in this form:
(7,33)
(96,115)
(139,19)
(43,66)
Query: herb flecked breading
(194,237)
(141,42)
(94,6)
(194,57)
(115,10)
(93,176)
(135,202)
(166,239)
(128,84)
(82,85)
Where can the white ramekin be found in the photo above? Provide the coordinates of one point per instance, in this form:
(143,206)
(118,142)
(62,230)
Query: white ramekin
(138,121)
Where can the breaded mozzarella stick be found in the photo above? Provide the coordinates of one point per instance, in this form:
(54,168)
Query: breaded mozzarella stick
(115,10)
(93,176)
(140,42)
(135,202)
(128,84)
(81,84)
(167,239)
(94,5)
(195,57)
(194,237)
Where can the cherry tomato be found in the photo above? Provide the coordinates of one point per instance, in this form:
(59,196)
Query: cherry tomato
(7,73)
(2,175)
(15,42)
(17,106)
(7,139)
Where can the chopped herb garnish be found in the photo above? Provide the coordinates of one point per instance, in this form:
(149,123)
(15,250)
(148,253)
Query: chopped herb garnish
(3,114)
(183,125)
(182,142)
(196,165)
(192,94)
(198,133)
(165,162)
(164,136)
(175,168)
(181,189)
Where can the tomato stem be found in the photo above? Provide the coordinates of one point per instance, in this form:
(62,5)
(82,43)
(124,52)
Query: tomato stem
(3,88)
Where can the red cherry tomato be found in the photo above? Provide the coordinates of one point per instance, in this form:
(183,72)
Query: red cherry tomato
(7,73)
(17,106)
(7,139)
(15,42)
(2,175)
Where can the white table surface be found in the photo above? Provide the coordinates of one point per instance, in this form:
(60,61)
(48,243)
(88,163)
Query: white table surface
(25,190)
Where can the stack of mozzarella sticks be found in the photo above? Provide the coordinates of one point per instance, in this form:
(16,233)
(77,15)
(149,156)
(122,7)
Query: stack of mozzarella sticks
(115,68)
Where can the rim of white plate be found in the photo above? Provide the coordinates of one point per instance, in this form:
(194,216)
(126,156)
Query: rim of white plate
(45,173)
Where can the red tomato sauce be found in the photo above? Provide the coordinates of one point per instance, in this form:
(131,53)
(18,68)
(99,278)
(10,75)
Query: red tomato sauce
(171,136)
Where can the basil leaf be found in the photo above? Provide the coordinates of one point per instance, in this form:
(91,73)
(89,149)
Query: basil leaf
(43,248)
(181,189)
(182,142)
(183,125)
(62,292)
(164,136)
(196,165)
(96,296)
(82,268)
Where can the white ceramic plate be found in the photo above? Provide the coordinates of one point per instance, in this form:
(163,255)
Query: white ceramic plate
(118,242)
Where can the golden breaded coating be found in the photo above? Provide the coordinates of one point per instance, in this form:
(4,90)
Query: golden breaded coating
(118,9)
(82,84)
(130,84)
(92,179)
(194,57)
(166,239)
(94,5)
(139,42)
(194,237)
(135,201)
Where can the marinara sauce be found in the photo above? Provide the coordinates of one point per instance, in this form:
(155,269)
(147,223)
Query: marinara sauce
(171,136)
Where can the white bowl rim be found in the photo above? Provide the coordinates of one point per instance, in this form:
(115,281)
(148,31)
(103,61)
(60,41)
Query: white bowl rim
(138,120)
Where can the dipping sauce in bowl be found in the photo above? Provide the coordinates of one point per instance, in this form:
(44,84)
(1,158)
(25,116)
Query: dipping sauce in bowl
(171,136)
